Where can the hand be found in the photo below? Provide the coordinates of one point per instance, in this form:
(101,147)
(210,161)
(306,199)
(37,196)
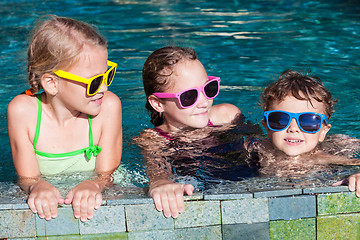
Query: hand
(85,197)
(44,199)
(169,196)
(353,182)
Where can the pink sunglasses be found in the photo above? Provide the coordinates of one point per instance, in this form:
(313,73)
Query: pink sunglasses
(189,97)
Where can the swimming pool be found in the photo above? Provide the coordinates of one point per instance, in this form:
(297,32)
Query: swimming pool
(246,43)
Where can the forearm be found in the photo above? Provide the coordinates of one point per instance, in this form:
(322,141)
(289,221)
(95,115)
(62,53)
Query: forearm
(28,183)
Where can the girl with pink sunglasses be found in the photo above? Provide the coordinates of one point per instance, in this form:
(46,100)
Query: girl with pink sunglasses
(179,97)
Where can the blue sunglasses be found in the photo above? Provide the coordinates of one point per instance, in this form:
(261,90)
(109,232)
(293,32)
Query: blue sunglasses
(309,122)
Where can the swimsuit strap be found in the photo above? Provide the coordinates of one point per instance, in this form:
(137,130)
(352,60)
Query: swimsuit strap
(38,123)
(164,134)
(210,123)
(37,131)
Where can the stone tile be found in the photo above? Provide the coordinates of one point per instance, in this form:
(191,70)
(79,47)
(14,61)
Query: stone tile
(326,189)
(288,208)
(204,233)
(63,224)
(17,224)
(345,202)
(152,235)
(107,219)
(230,196)
(198,214)
(146,217)
(345,226)
(253,231)
(245,211)
(278,193)
(299,229)
(195,196)
(130,200)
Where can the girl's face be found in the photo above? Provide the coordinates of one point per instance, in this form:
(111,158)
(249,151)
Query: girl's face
(91,62)
(187,74)
(292,141)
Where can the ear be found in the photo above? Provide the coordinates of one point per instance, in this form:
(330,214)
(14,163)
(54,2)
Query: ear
(325,129)
(156,103)
(50,83)
(266,127)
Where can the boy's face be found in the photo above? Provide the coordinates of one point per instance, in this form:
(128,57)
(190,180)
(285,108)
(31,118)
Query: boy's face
(292,141)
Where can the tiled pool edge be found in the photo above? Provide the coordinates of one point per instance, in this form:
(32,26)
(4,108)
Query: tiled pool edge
(310,213)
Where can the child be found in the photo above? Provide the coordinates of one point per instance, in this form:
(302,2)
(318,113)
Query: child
(179,97)
(74,125)
(297,109)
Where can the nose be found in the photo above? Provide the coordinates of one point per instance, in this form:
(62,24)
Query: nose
(293,127)
(103,88)
(203,102)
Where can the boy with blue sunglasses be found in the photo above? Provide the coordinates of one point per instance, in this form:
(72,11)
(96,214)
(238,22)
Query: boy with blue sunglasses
(297,109)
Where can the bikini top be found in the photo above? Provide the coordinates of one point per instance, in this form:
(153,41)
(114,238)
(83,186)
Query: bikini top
(78,160)
(167,136)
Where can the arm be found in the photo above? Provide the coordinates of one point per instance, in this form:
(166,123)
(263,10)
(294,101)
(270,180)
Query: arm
(21,116)
(168,196)
(87,196)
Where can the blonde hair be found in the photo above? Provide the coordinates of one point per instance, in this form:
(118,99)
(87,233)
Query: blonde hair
(56,42)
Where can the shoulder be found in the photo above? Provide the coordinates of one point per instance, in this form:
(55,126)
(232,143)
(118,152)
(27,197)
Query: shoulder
(223,113)
(110,100)
(22,106)
(111,106)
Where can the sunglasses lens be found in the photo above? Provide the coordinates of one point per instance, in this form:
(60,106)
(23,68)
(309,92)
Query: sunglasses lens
(310,122)
(211,89)
(95,85)
(110,77)
(188,98)
(278,120)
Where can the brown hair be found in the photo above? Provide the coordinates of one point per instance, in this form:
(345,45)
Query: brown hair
(301,86)
(55,44)
(157,70)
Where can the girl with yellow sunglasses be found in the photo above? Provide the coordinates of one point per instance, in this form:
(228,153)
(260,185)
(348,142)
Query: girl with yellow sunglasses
(73,125)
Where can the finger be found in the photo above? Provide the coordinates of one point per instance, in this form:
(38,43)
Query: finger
(69,197)
(173,204)
(31,204)
(179,193)
(59,198)
(90,207)
(98,200)
(352,182)
(84,208)
(46,209)
(188,189)
(53,204)
(165,205)
(39,208)
(76,206)
(157,201)
(358,188)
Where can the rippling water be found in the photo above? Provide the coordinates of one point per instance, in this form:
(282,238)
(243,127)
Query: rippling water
(246,43)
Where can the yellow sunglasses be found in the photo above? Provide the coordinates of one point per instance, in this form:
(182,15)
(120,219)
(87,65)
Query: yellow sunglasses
(94,83)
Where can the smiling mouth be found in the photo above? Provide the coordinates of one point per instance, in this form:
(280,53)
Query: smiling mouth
(294,140)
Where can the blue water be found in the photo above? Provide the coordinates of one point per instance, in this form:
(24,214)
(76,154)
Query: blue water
(246,43)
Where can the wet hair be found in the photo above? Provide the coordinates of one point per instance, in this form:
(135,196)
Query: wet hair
(56,43)
(157,70)
(300,86)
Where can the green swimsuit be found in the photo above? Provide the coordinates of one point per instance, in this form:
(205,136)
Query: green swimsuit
(75,161)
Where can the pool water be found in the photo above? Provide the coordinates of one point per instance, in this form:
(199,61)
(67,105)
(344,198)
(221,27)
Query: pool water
(246,43)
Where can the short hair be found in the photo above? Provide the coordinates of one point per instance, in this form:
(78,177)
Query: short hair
(300,86)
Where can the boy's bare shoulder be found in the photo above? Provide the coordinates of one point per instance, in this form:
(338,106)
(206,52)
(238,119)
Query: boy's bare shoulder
(223,113)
